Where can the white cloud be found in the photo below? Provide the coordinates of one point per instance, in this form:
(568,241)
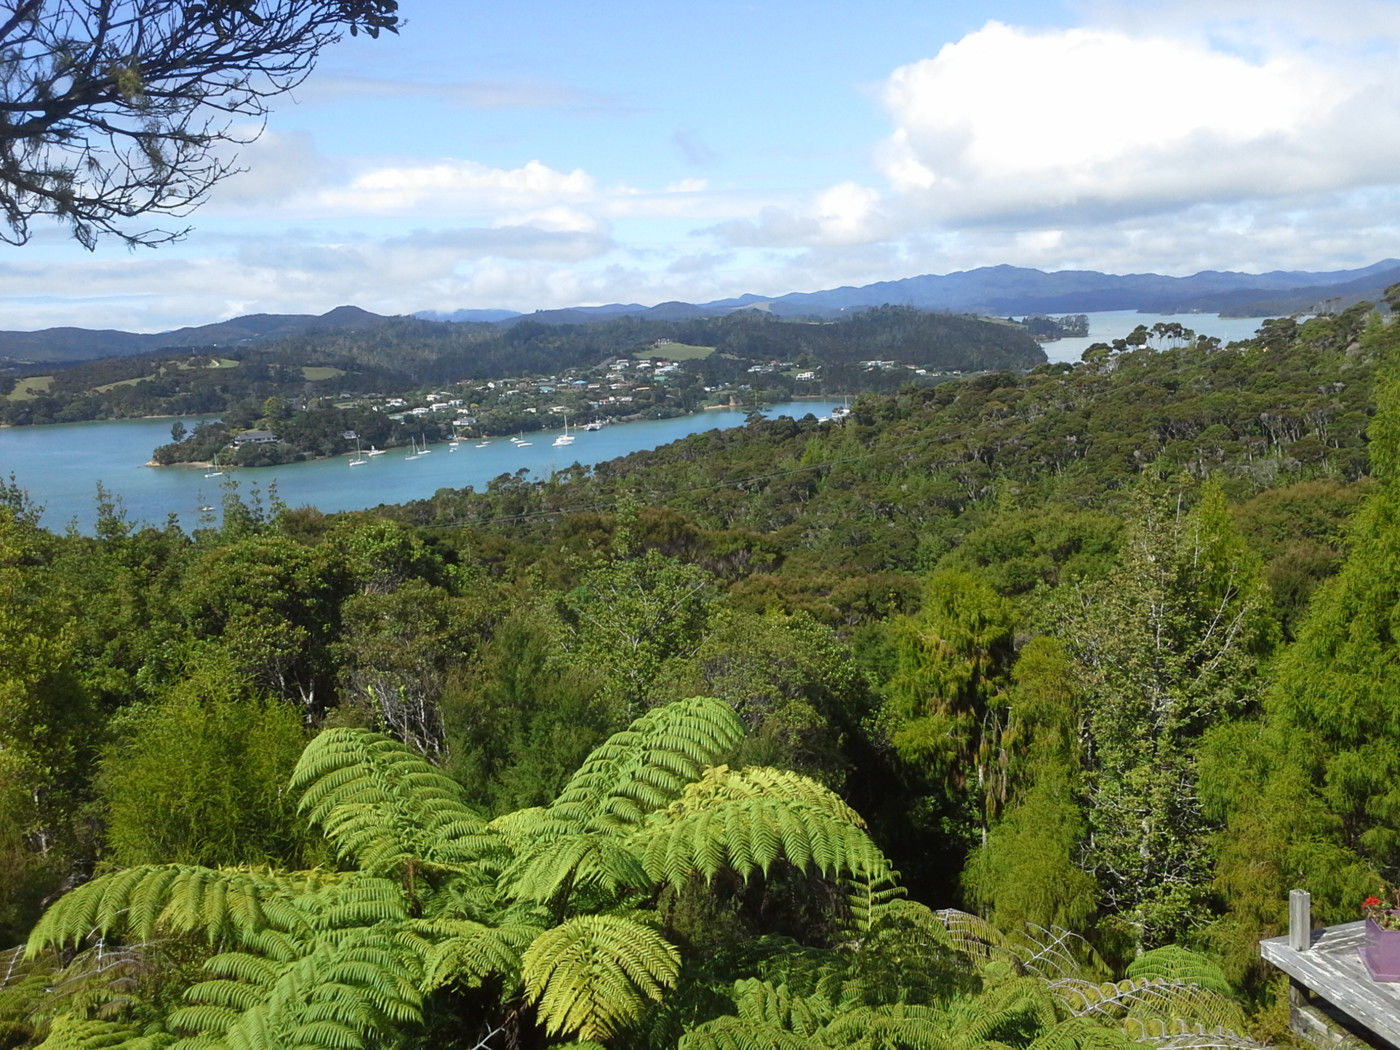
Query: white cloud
(1008,122)
(1152,112)
(455,187)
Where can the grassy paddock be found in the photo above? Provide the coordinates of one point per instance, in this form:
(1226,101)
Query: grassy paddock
(676,352)
(30,387)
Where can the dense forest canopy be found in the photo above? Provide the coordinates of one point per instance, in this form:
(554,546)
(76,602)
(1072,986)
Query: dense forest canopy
(704,747)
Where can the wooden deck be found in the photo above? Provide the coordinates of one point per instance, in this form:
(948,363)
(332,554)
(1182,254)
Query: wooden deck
(1331,967)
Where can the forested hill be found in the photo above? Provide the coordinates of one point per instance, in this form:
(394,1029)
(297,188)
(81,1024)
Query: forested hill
(696,749)
(852,514)
(397,355)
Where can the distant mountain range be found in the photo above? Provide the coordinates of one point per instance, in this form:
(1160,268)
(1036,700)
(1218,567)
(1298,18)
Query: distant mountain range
(999,291)
(995,291)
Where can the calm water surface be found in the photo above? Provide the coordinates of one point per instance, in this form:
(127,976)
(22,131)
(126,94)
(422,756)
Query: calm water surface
(1108,325)
(61,467)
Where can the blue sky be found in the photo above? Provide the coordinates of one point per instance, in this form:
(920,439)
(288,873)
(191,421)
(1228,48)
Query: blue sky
(528,156)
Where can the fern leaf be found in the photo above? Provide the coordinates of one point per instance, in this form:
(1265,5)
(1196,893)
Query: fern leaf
(1081,1033)
(647,765)
(734,1033)
(76,1033)
(467,953)
(747,819)
(142,901)
(1173,963)
(552,865)
(593,974)
(384,805)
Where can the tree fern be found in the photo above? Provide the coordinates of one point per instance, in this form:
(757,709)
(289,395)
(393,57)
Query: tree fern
(744,820)
(350,989)
(140,902)
(551,868)
(384,806)
(736,1033)
(1147,1001)
(802,1015)
(1081,1033)
(594,974)
(1174,963)
(467,953)
(78,1033)
(648,764)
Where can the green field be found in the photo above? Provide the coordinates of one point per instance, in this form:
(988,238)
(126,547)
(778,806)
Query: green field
(30,388)
(313,373)
(676,352)
(123,382)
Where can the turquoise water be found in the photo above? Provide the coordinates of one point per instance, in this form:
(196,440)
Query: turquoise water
(61,467)
(1108,325)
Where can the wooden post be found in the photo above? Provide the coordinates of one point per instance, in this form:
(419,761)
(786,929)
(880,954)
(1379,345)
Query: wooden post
(1299,920)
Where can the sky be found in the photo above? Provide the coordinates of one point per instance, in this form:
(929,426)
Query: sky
(537,155)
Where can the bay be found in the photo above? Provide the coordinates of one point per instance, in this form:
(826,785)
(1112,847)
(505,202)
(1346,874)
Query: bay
(61,467)
(1108,325)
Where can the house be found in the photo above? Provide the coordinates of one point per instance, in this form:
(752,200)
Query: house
(255,437)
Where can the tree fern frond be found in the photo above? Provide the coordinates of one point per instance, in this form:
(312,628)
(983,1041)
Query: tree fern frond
(467,953)
(384,805)
(76,1033)
(1081,1033)
(1183,1036)
(1147,1000)
(142,901)
(734,1033)
(895,1025)
(802,1015)
(746,819)
(332,989)
(648,764)
(573,861)
(593,974)
(976,937)
(872,893)
(1174,963)
(1014,1009)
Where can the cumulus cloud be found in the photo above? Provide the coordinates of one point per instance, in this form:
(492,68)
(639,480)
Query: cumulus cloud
(1068,129)
(1008,121)
(455,187)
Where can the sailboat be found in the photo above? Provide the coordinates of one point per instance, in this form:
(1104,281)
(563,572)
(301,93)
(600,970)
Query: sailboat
(358,460)
(425,449)
(565,438)
(214,471)
(412,449)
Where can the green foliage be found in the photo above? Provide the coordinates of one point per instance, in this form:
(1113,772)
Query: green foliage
(1167,645)
(634,613)
(553,907)
(744,820)
(796,687)
(384,806)
(1323,808)
(593,974)
(194,779)
(523,714)
(647,766)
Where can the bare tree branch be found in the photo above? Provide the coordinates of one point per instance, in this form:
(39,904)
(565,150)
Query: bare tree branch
(115,109)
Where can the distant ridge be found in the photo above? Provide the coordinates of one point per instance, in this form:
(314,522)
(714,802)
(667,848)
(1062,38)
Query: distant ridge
(60,345)
(995,291)
(999,291)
